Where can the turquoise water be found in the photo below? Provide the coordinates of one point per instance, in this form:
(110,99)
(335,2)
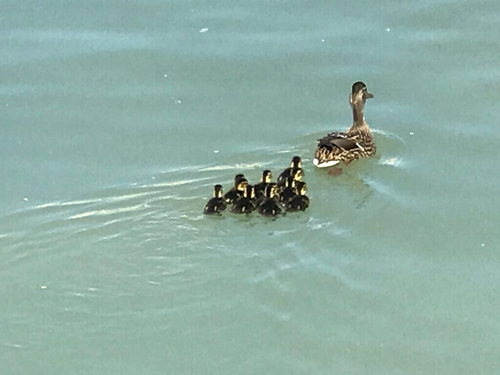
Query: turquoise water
(119,117)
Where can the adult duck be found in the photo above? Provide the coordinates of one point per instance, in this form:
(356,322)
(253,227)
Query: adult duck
(356,143)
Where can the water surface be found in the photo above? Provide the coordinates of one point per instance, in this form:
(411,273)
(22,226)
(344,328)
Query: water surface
(118,119)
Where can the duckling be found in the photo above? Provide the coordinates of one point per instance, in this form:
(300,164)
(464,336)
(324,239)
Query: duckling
(288,191)
(296,163)
(263,196)
(347,146)
(244,205)
(265,180)
(300,201)
(216,204)
(240,184)
(269,206)
(295,173)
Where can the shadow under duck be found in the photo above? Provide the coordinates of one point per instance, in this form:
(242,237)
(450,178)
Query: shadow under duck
(347,146)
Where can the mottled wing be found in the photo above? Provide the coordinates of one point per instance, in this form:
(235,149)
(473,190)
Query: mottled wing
(338,140)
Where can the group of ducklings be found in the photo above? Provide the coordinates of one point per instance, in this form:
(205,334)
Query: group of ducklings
(268,198)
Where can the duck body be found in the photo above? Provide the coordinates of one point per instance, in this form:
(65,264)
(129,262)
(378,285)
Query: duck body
(246,203)
(261,186)
(295,170)
(240,184)
(262,196)
(269,207)
(259,189)
(216,204)
(232,196)
(298,203)
(243,206)
(288,191)
(355,143)
(345,147)
(287,173)
(294,174)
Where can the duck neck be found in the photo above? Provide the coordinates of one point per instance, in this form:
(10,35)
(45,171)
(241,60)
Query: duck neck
(359,122)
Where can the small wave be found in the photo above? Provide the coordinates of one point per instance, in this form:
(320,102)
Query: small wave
(234,166)
(106,212)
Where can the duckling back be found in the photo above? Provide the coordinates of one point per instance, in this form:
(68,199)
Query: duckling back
(216,204)
(288,191)
(246,203)
(236,192)
(298,203)
(269,205)
(260,187)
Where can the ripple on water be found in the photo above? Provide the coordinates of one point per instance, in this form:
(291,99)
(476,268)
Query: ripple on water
(153,232)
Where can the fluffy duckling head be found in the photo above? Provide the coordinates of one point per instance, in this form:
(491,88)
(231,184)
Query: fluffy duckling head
(267,176)
(218,191)
(239,176)
(297,174)
(241,184)
(301,188)
(296,162)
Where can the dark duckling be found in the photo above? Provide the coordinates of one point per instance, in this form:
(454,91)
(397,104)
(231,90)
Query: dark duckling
(240,183)
(295,173)
(269,206)
(244,204)
(216,204)
(299,202)
(288,191)
(265,180)
(296,163)
(263,196)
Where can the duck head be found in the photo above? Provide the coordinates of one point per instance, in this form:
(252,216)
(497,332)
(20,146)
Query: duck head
(267,176)
(357,100)
(218,191)
(301,188)
(359,93)
(296,162)
(241,184)
(297,174)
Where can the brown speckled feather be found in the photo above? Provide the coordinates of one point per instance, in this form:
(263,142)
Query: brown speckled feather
(355,143)
(345,147)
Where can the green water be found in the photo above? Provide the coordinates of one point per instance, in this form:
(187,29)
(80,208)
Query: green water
(119,117)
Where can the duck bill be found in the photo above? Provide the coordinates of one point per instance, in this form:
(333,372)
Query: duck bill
(368,95)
